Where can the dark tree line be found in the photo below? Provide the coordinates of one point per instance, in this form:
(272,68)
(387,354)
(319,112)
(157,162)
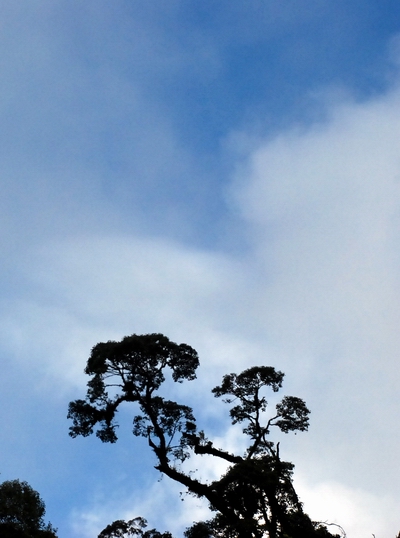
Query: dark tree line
(255,498)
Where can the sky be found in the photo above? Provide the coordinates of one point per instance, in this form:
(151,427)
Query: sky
(226,173)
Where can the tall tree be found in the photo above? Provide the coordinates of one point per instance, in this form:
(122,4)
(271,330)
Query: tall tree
(22,512)
(255,498)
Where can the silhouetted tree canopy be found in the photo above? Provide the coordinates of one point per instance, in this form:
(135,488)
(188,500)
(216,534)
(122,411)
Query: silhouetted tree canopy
(22,512)
(255,498)
(133,527)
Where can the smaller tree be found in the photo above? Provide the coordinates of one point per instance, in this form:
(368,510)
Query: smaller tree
(133,527)
(22,512)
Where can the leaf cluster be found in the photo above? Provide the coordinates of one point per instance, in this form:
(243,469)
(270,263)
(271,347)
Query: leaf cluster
(22,512)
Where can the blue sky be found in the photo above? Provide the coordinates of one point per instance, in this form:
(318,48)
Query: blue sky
(225,173)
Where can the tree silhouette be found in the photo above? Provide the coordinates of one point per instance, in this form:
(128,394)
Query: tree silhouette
(133,527)
(22,512)
(255,498)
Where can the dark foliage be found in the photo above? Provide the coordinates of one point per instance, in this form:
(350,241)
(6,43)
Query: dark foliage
(255,498)
(22,512)
(133,527)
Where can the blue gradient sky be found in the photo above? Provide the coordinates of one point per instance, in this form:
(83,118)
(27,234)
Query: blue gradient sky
(225,173)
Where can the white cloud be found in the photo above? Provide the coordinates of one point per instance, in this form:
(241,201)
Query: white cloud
(358,512)
(87,289)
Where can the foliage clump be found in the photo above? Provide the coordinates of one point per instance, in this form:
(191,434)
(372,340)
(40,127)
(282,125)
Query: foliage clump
(133,527)
(22,512)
